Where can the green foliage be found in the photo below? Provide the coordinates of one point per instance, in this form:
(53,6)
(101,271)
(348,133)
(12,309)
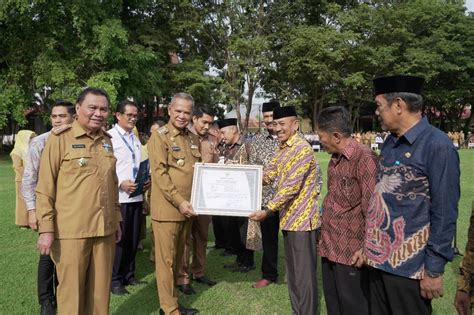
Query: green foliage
(306,53)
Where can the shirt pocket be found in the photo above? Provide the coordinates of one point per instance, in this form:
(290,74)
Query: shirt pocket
(78,162)
(111,160)
(196,154)
(177,155)
(351,193)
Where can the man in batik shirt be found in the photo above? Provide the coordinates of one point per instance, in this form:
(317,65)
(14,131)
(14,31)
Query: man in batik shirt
(351,181)
(412,215)
(235,152)
(294,169)
(261,151)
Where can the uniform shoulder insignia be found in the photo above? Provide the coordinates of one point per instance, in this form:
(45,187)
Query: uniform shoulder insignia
(163,130)
(58,130)
(107,134)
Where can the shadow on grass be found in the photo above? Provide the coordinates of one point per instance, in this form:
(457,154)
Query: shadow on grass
(233,292)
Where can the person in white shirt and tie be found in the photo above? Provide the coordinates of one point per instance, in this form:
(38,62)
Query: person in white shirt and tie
(127,151)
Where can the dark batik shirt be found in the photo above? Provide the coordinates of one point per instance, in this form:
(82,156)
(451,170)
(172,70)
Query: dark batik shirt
(261,150)
(412,214)
(351,182)
(236,153)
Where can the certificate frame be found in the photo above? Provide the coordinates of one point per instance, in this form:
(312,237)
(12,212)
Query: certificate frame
(218,181)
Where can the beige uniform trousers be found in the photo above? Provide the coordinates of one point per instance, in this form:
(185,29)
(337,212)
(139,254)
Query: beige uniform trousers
(170,237)
(84,268)
(197,240)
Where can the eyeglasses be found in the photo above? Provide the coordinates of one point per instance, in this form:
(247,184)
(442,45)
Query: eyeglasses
(130,116)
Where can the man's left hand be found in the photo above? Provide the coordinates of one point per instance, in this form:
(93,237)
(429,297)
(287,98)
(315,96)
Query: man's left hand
(147,185)
(118,233)
(259,215)
(431,288)
(187,210)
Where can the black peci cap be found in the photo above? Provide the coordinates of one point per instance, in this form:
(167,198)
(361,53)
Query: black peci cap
(398,83)
(282,112)
(227,122)
(270,106)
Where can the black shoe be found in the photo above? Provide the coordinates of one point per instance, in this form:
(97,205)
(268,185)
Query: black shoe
(205,280)
(244,269)
(135,281)
(48,308)
(119,290)
(187,311)
(186,289)
(233,265)
(183,310)
(228,252)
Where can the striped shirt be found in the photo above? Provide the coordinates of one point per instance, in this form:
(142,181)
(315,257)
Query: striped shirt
(295,170)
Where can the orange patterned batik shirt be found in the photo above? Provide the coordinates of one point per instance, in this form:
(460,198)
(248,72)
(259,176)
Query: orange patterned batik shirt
(295,171)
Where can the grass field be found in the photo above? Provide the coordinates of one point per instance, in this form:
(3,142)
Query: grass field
(233,293)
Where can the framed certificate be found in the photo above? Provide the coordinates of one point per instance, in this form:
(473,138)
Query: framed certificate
(226,189)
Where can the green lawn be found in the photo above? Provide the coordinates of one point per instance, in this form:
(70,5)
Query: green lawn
(232,295)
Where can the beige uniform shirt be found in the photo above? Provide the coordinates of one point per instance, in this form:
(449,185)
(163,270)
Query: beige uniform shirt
(172,155)
(77,191)
(209,151)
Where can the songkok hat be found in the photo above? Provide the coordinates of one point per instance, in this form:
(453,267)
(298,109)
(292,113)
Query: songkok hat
(282,112)
(227,122)
(270,106)
(398,83)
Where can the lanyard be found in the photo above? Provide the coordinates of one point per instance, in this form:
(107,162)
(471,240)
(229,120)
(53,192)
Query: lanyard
(130,147)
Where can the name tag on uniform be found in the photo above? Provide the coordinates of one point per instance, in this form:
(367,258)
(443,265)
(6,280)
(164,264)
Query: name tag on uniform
(194,147)
(106,147)
(78,146)
(175,149)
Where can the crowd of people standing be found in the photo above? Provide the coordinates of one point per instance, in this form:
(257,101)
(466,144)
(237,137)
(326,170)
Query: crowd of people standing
(383,232)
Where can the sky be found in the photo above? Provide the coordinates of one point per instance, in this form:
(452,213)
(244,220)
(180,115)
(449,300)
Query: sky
(470,5)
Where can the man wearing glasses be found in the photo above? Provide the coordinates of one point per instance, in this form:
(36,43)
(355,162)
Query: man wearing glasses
(127,151)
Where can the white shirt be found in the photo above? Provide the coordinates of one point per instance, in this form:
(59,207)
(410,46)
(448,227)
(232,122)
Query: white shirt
(125,162)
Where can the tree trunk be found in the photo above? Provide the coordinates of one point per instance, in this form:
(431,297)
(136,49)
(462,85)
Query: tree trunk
(251,86)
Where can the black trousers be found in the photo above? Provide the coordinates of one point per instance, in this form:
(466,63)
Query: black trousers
(126,250)
(270,228)
(218,226)
(300,258)
(346,288)
(47,280)
(244,256)
(391,294)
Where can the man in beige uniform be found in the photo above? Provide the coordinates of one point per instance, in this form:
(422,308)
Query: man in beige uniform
(77,207)
(202,120)
(172,151)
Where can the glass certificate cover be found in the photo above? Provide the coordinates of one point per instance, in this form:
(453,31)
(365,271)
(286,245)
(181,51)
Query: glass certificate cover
(226,189)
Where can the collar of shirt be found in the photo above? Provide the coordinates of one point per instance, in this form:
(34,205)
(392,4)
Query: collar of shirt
(79,131)
(348,152)
(291,141)
(207,136)
(123,132)
(175,131)
(267,135)
(412,134)
(238,143)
